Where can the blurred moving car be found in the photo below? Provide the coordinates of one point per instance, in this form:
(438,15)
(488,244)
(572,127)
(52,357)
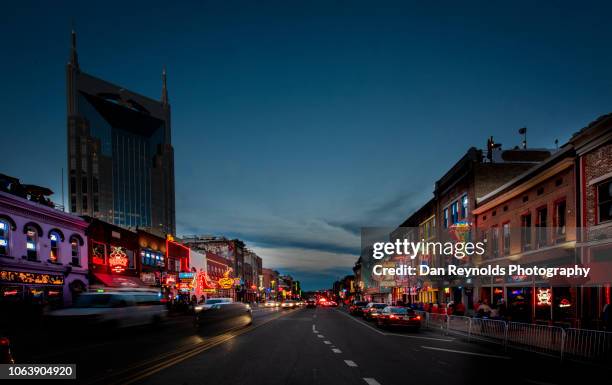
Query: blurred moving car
(271,304)
(398,316)
(357,307)
(311,303)
(112,309)
(373,310)
(288,304)
(222,309)
(5,351)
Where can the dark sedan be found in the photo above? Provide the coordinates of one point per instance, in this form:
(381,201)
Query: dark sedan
(357,307)
(373,310)
(398,316)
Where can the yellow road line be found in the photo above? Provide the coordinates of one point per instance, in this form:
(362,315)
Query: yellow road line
(193,352)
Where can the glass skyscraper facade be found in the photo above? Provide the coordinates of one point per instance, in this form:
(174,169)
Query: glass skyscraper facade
(120,156)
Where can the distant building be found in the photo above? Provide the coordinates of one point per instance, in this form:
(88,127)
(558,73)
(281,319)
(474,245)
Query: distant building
(120,155)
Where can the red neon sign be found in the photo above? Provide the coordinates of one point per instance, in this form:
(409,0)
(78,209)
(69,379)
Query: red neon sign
(118,260)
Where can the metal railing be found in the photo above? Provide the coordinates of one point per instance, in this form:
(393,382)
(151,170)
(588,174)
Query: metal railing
(581,344)
(593,345)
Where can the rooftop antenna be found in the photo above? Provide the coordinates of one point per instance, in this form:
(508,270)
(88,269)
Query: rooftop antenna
(557,143)
(523,131)
(63,201)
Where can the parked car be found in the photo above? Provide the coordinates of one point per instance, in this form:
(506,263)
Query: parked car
(398,316)
(373,310)
(220,309)
(311,303)
(357,307)
(5,351)
(111,309)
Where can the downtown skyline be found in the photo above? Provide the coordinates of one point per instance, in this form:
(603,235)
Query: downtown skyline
(295,135)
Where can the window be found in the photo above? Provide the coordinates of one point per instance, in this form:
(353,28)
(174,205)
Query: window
(98,253)
(445,218)
(31,243)
(54,253)
(495,241)
(4,237)
(131,260)
(541,236)
(454,212)
(560,211)
(604,201)
(75,252)
(464,206)
(526,232)
(506,237)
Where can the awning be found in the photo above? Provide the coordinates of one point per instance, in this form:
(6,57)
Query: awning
(120,281)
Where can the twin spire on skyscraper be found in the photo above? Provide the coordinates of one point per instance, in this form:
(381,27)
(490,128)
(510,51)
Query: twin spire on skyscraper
(74,61)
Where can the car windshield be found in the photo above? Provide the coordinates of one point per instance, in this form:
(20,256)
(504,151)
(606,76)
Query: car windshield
(379,305)
(361,303)
(94,301)
(214,301)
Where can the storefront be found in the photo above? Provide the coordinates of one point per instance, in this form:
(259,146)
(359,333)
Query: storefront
(113,258)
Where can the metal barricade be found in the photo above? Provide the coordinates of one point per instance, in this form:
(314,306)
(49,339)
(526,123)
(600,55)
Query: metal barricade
(490,330)
(459,324)
(437,321)
(591,344)
(537,338)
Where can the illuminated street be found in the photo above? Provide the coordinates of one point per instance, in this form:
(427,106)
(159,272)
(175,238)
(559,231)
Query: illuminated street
(303,346)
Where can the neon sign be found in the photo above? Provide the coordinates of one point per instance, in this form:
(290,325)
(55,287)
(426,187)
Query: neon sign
(117,260)
(226,282)
(565,303)
(31,278)
(544,297)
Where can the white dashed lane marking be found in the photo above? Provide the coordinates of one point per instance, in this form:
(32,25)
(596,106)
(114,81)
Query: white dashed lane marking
(327,342)
(371,381)
(320,336)
(337,351)
(350,363)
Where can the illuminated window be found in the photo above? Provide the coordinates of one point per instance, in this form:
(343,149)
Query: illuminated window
(464,206)
(31,244)
(454,212)
(75,251)
(54,253)
(604,201)
(445,218)
(4,237)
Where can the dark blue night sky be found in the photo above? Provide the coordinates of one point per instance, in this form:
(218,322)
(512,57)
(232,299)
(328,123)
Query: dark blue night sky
(297,122)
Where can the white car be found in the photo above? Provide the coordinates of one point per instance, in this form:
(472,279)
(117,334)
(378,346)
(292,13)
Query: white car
(209,303)
(271,304)
(113,310)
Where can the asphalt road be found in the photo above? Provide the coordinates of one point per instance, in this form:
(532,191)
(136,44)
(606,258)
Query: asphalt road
(304,346)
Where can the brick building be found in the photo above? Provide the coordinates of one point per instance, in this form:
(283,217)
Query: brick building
(593,145)
(530,220)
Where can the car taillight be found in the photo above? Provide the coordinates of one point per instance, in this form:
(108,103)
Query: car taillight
(4,341)
(417,317)
(393,316)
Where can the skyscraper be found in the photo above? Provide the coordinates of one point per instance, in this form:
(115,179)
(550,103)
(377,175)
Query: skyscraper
(120,156)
